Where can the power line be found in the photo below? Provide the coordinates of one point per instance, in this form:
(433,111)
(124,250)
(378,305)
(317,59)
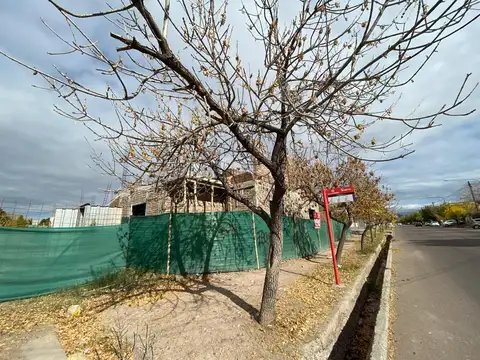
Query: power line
(462,179)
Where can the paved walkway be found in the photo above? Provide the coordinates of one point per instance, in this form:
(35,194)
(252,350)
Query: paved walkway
(38,345)
(438,294)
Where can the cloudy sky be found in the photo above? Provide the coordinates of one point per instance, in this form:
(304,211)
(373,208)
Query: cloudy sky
(45,159)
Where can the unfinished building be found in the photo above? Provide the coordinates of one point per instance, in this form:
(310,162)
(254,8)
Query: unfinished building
(202,194)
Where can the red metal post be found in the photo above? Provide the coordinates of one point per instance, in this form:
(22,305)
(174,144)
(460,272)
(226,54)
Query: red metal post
(330,234)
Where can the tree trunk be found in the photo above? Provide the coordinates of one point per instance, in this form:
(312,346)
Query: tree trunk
(371,234)
(341,242)
(269,296)
(270,285)
(364,235)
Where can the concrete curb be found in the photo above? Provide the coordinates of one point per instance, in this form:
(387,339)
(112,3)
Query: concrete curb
(321,347)
(379,349)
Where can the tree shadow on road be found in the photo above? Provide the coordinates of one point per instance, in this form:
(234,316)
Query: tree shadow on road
(459,242)
(436,272)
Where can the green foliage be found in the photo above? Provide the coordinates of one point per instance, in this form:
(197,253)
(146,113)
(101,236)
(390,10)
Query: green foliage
(458,211)
(44,222)
(410,218)
(21,222)
(430,213)
(454,211)
(7,220)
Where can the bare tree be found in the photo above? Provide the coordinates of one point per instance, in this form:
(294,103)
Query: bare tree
(193,102)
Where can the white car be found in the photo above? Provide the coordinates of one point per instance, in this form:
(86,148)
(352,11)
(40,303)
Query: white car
(448,223)
(476,223)
(434,223)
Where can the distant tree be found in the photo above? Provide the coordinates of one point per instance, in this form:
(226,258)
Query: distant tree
(44,222)
(429,213)
(458,211)
(21,222)
(410,218)
(440,210)
(5,219)
(403,219)
(371,204)
(417,216)
(377,212)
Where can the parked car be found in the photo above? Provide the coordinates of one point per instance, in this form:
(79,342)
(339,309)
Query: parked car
(473,220)
(449,223)
(418,223)
(434,223)
(476,223)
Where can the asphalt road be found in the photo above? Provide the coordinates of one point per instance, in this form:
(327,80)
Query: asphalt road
(437,288)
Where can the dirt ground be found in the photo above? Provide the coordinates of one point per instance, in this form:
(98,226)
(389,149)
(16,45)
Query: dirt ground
(178,318)
(211,320)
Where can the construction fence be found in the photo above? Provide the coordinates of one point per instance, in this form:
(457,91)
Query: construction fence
(36,261)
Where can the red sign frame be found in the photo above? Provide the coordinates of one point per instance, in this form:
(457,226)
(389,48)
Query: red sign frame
(346,190)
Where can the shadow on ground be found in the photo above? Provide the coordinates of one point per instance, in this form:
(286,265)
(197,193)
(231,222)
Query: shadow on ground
(437,272)
(459,242)
(156,288)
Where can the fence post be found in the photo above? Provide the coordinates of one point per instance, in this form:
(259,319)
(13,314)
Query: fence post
(295,240)
(169,242)
(255,239)
(212,199)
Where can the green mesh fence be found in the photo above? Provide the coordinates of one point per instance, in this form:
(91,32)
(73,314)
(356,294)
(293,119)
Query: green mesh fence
(300,238)
(148,242)
(38,261)
(211,242)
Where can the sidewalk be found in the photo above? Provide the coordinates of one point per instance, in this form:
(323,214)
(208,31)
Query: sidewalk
(41,344)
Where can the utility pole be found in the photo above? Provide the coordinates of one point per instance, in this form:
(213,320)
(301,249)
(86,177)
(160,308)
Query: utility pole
(473,195)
